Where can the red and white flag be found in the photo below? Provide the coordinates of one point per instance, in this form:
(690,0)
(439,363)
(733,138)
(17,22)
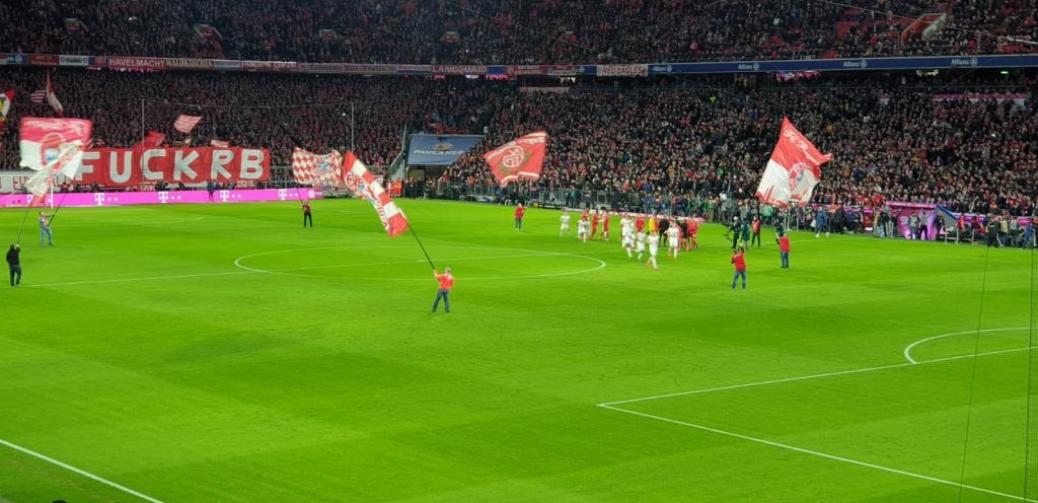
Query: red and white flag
(312,169)
(186,123)
(6,98)
(519,158)
(52,147)
(219,143)
(361,182)
(793,170)
(52,99)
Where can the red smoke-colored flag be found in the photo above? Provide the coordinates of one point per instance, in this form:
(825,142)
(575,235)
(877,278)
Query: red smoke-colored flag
(154,139)
(793,170)
(309,168)
(6,98)
(186,123)
(361,182)
(519,158)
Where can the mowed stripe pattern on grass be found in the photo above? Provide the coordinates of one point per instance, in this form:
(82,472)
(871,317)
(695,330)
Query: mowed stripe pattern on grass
(208,382)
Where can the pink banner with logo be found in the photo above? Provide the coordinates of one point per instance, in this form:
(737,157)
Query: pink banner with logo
(95,199)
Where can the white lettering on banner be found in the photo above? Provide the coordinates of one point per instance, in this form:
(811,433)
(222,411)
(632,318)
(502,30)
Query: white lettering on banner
(182,164)
(146,164)
(251,164)
(221,158)
(85,168)
(127,167)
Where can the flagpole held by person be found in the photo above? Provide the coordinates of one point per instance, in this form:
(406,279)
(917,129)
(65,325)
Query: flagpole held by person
(446,282)
(45,231)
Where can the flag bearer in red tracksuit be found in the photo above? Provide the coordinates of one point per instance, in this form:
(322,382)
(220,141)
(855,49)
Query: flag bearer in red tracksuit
(446,281)
(783,242)
(519,212)
(739,261)
(755,227)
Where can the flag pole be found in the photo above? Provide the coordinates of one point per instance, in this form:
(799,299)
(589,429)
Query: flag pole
(420,245)
(353,146)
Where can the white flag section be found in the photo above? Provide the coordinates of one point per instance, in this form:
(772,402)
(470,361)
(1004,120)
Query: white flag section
(52,147)
(793,170)
(185,123)
(362,183)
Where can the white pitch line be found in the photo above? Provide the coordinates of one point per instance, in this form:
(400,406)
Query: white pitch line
(79,471)
(811,376)
(819,454)
(908,349)
(145,278)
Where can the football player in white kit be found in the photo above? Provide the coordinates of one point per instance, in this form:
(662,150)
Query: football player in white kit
(639,243)
(564,224)
(627,235)
(673,240)
(583,227)
(654,249)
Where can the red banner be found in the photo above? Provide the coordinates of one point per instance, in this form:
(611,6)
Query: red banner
(519,158)
(43,59)
(125,167)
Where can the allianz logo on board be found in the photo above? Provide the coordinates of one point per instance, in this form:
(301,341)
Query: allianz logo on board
(660,68)
(858,63)
(749,67)
(964,62)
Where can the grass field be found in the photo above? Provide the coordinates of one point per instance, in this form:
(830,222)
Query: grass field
(223,353)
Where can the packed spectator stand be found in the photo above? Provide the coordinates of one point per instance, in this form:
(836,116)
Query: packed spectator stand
(516,32)
(967,141)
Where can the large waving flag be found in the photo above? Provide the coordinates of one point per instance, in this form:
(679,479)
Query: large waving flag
(519,158)
(6,98)
(793,170)
(309,168)
(361,182)
(52,147)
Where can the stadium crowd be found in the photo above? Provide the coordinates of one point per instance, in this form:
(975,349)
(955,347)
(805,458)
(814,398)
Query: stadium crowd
(675,145)
(513,32)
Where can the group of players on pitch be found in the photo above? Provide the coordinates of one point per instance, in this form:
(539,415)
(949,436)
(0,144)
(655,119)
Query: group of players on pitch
(638,233)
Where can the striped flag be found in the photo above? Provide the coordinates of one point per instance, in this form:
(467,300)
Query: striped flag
(361,182)
(38,96)
(52,99)
(309,168)
(185,123)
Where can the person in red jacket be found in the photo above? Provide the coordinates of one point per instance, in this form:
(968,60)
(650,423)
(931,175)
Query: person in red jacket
(594,223)
(739,261)
(783,242)
(519,213)
(691,229)
(446,281)
(755,228)
(605,225)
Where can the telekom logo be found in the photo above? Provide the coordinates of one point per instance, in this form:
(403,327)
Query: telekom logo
(282,194)
(163,197)
(225,195)
(99,198)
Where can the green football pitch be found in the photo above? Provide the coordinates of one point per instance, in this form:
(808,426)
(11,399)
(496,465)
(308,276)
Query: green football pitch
(201,353)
